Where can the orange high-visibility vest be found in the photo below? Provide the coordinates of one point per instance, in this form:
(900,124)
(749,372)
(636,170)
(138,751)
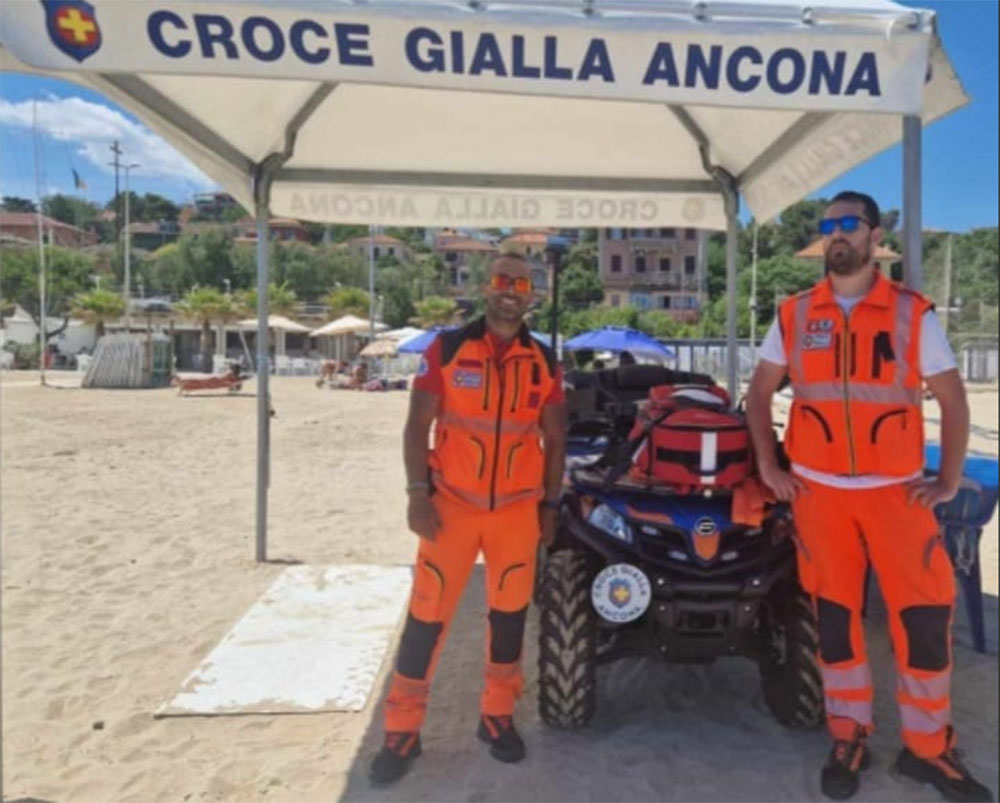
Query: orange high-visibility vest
(487,438)
(856,380)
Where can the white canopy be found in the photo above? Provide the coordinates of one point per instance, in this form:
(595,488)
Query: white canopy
(277,322)
(563,113)
(581,113)
(346,325)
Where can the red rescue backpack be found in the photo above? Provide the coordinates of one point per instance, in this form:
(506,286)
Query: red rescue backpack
(689,437)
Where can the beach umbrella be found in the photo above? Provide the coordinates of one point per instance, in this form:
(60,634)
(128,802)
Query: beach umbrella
(618,339)
(419,343)
(347,325)
(380,347)
(612,113)
(277,322)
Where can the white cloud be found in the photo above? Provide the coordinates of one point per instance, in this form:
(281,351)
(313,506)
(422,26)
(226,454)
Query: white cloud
(91,128)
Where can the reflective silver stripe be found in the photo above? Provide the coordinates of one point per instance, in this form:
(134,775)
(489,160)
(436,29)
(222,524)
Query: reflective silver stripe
(507,499)
(509,427)
(856,391)
(799,331)
(923,720)
(853,677)
(932,688)
(904,324)
(466,496)
(858,710)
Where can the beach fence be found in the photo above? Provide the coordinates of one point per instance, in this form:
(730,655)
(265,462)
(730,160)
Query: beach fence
(977,360)
(130,361)
(708,356)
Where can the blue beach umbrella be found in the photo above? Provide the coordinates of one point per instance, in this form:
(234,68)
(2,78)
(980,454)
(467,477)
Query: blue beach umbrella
(418,343)
(618,339)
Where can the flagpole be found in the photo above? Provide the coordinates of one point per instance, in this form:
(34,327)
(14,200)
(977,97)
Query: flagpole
(41,246)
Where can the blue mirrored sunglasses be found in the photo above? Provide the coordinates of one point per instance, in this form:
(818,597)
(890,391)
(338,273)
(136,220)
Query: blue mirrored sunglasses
(847,224)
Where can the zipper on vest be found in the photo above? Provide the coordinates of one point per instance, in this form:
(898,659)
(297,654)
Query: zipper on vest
(496,442)
(846,339)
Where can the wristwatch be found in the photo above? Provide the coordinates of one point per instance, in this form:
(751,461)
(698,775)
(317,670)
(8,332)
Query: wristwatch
(549,503)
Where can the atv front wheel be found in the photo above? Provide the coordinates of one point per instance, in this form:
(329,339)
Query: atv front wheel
(789,671)
(567,655)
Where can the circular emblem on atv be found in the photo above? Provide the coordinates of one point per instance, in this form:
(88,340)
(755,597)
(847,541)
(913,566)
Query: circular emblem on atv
(620,593)
(705,526)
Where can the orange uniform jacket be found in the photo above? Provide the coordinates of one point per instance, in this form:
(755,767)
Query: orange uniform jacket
(856,380)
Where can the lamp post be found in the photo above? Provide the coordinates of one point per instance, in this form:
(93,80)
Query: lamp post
(128,247)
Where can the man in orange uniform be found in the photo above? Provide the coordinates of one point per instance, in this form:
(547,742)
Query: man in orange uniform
(858,349)
(491,483)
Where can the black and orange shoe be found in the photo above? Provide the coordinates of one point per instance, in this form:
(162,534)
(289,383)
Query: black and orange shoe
(393,761)
(946,773)
(505,742)
(839,779)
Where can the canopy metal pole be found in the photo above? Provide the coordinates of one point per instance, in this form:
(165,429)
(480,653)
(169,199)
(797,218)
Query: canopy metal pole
(732,236)
(263,375)
(913,266)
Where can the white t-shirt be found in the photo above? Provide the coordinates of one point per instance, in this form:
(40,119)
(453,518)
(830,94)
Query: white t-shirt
(936,357)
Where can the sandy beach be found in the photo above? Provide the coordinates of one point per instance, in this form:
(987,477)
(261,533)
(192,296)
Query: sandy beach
(128,529)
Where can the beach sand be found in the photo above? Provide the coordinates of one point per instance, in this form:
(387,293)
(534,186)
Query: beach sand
(128,533)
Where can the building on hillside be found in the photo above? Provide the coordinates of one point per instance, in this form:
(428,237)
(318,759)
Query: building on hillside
(213,205)
(151,236)
(459,253)
(884,257)
(381,245)
(23,227)
(279,228)
(662,269)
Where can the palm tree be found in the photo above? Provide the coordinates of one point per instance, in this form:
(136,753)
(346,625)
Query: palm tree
(98,306)
(206,305)
(280,300)
(435,311)
(348,301)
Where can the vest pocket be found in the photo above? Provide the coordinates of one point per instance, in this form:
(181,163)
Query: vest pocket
(510,457)
(810,412)
(885,417)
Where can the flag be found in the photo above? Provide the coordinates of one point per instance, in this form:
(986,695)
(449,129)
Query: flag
(78,183)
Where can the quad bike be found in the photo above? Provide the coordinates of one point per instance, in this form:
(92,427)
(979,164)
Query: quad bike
(640,569)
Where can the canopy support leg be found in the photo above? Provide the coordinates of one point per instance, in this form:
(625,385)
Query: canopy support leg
(913,267)
(732,202)
(263,371)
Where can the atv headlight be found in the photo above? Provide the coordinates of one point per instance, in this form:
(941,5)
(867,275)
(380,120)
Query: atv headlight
(609,520)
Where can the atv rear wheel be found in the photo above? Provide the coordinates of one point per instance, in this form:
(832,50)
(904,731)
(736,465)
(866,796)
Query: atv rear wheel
(567,655)
(789,671)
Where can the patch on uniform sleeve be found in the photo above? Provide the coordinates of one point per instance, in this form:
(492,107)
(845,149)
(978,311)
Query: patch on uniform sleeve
(819,340)
(533,399)
(423,368)
(467,378)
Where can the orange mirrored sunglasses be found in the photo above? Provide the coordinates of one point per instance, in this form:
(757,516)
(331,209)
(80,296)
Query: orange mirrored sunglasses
(503,282)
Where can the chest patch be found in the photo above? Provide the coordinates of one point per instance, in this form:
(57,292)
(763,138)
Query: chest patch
(467,378)
(820,325)
(817,340)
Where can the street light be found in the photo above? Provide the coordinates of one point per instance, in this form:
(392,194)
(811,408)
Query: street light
(128,245)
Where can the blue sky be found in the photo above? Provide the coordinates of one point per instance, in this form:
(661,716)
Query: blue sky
(960,152)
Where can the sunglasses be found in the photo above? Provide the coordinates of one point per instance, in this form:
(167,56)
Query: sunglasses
(503,282)
(847,224)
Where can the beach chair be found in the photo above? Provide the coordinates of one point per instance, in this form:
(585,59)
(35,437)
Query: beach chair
(282,365)
(962,521)
(300,366)
(83,362)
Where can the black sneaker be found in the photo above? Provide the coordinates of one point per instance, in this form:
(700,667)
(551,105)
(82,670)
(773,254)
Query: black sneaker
(393,761)
(505,742)
(839,779)
(945,773)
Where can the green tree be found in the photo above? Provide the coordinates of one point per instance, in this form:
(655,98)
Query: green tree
(281,300)
(11,203)
(579,280)
(348,301)
(98,306)
(69,209)
(434,311)
(206,305)
(67,272)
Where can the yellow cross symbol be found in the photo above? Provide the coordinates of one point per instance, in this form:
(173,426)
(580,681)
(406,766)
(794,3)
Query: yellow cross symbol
(80,27)
(621,594)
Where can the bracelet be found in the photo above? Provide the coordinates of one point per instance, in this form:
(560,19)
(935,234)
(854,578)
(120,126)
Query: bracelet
(413,487)
(552,504)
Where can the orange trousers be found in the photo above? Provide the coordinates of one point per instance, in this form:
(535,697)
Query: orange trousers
(508,539)
(840,533)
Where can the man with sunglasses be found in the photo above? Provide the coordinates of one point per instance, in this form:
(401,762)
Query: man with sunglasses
(858,349)
(491,483)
